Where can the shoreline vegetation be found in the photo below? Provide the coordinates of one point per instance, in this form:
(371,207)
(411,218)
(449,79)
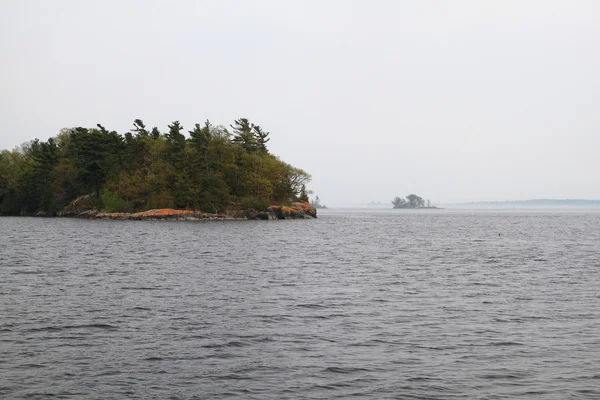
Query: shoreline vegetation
(214,172)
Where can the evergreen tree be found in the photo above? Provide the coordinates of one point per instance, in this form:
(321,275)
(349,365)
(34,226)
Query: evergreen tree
(36,192)
(176,141)
(243,135)
(261,138)
(155,134)
(200,138)
(139,128)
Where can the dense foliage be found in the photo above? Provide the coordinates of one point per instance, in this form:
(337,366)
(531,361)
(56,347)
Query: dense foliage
(212,170)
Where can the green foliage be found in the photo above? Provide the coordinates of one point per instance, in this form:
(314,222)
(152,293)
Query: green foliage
(256,204)
(176,140)
(303,195)
(98,155)
(160,200)
(211,170)
(12,169)
(35,191)
(212,193)
(111,202)
(261,138)
(243,136)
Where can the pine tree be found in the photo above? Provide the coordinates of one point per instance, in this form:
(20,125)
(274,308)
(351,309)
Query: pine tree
(261,138)
(243,135)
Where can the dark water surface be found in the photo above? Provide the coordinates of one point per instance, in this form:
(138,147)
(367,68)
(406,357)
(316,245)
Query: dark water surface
(371,304)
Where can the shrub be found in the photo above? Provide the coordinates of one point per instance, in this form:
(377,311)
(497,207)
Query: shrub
(111,202)
(256,204)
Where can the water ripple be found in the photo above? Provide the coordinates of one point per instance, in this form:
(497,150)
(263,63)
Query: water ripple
(355,304)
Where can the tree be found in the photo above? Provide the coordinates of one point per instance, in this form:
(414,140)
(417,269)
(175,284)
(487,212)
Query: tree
(12,168)
(316,203)
(139,128)
(155,134)
(296,179)
(97,155)
(175,139)
(243,135)
(36,190)
(399,202)
(412,201)
(87,157)
(303,195)
(200,138)
(261,138)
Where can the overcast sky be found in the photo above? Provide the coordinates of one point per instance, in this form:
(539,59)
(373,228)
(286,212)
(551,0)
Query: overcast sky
(454,101)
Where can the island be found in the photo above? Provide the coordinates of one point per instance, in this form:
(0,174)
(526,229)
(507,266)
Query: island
(316,203)
(213,172)
(412,201)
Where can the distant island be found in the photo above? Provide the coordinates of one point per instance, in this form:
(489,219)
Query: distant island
(412,201)
(558,203)
(99,173)
(316,203)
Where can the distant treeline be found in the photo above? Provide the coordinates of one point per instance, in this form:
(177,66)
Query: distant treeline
(213,169)
(536,203)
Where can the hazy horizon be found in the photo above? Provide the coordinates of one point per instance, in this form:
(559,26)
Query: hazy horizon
(457,102)
(500,204)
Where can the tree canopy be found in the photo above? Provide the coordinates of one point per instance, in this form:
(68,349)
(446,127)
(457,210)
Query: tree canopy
(211,170)
(411,201)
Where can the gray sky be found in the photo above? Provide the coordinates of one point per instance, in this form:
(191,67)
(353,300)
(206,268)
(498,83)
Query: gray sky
(454,101)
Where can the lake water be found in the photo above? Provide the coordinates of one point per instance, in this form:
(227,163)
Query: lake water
(435,304)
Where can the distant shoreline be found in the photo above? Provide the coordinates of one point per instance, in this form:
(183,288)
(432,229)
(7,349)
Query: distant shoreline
(532,203)
(417,208)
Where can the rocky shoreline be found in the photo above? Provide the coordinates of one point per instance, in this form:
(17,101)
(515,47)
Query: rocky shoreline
(297,210)
(84,207)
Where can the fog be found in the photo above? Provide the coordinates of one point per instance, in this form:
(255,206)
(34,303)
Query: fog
(455,101)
